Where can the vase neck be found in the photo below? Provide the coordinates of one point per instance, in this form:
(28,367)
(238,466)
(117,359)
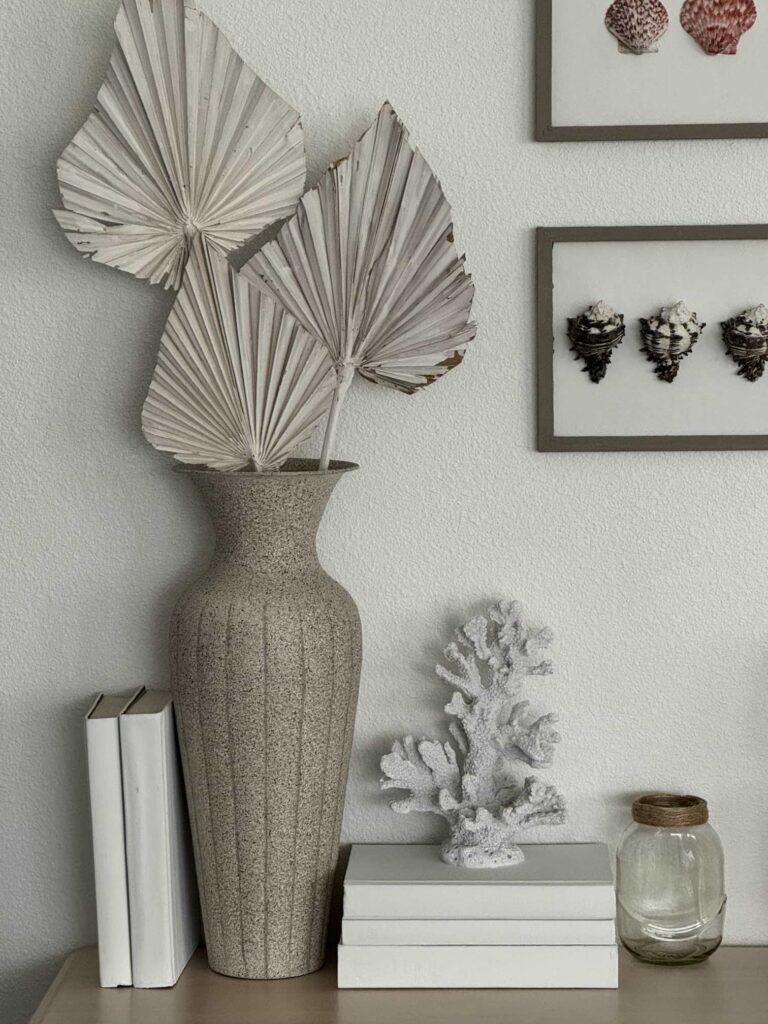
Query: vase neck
(266,524)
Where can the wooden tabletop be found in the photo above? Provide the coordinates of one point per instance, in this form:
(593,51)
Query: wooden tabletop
(731,988)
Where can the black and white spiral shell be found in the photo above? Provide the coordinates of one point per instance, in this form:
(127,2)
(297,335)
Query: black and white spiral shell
(668,337)
(594,334)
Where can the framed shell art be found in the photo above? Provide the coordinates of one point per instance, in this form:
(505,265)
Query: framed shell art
(651,69)
(653,338)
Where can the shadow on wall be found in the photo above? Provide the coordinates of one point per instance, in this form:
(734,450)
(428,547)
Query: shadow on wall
(49,885)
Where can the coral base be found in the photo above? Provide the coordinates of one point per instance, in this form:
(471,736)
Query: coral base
(481,856)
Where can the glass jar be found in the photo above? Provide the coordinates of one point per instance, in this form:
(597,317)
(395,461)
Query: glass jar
(670,882)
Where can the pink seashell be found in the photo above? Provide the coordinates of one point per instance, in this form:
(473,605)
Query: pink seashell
(718,25)
(637,24)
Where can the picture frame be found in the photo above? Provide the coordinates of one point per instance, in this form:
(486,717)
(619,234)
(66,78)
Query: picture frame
(719,269)
(701,84)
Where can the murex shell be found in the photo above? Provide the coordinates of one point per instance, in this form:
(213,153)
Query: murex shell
(668,337)
(746,339)
(594,334)
(718,25)
(637,24)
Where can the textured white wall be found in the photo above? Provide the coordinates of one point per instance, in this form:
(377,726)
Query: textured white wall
(651,567)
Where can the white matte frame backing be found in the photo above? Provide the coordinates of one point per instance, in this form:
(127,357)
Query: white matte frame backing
(586,90)
(720,269)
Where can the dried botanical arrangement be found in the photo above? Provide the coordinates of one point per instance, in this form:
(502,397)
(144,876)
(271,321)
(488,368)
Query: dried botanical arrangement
(189,151)
(238,382)
(472,782)
(746,339)
(637,24)
(369,266)
(668,337)
(718,25)
(594,334)
(186,142)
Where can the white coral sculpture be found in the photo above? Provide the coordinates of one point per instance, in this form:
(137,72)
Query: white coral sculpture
(474,785)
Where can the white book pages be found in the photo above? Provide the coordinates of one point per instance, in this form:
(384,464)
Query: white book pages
(555,882)
(478,967)
(489,932)
(186,141)
(162,891)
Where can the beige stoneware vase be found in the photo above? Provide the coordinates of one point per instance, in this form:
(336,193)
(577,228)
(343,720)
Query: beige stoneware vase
(265,668)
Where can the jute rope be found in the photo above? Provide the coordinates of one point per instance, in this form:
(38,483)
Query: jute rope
(667,810)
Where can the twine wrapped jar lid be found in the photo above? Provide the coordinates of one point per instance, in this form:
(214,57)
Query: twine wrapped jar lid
(668,810)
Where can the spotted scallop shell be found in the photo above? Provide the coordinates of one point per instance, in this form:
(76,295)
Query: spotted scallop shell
(746,338)
(718,25)
(637,24)
(668,338)
(593,335)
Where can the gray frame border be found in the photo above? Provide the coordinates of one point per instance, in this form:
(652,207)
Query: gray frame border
(545,131)
(546,239)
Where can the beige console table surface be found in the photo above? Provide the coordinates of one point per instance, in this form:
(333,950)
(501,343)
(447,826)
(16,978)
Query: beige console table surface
(731,988)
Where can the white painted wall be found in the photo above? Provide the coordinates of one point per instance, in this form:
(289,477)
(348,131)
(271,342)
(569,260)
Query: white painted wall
(651,567)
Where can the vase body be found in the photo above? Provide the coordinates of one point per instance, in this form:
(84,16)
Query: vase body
(265,666)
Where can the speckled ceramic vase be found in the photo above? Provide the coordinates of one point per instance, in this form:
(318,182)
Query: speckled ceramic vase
(265,668)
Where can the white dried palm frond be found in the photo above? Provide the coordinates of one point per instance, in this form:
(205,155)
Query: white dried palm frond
(238,381)
(185,141)
(368,265)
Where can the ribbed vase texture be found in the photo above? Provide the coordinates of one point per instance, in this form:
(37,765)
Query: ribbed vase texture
(265,665)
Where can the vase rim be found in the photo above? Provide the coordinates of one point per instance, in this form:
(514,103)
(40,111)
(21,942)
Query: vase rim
(291,469)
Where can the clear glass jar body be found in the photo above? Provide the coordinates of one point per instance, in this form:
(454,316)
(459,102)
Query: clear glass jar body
(670,892)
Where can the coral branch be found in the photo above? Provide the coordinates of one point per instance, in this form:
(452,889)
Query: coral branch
(528,739)
(476,790)
(536,804)
(428,770)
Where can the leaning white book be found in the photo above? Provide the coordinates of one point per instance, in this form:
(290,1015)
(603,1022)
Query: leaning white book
(557,881)
(162,894)
(478,967)
(105,782)
(488,932)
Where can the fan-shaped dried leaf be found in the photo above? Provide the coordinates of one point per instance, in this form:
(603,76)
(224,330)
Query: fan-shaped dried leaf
(186,140)
(368,264)
(238,381)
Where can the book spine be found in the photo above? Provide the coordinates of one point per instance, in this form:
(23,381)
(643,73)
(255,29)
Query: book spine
(185,923)
(147,852)
(478,967)
(477,901)
(108,827)
(477,933)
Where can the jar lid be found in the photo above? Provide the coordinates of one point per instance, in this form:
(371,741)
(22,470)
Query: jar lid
(667,810)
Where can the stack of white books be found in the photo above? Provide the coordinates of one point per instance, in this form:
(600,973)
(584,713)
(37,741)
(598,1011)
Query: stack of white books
(412,921)
(147,909)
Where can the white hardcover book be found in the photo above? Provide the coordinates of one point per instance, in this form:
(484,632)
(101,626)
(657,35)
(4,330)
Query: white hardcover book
(380,932)
(105,782)
(478,967)
(162,894)
(565,881)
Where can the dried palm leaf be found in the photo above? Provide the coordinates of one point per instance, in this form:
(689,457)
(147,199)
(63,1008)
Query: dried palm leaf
(238,381)
(186,141)
(368,265)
